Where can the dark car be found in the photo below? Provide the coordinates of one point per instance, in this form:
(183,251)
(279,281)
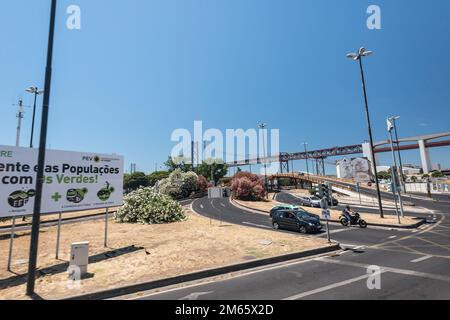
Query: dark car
(283,207)
(335,202)
(299,220)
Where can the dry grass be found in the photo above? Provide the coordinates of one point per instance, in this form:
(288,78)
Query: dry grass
(169,250)
(44,218)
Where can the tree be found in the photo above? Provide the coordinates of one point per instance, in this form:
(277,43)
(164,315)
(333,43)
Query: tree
(437,174)
(134,181)
(414,179)
(384,175)
(157,176)
(180,163)
(248,186)
(213,170)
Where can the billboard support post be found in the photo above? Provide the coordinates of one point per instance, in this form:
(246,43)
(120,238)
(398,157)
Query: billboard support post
(58,237)
(11,243)
(106,228)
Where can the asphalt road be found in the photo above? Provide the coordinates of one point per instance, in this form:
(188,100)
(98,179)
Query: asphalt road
(414,264)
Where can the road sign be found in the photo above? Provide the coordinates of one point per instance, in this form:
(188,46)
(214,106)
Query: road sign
(326,214)
(73,181)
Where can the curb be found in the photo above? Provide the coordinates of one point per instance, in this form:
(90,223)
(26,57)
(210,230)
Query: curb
(145,286)
(409,227)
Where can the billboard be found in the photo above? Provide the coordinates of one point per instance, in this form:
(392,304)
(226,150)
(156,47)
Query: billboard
(73,181)
(357,169)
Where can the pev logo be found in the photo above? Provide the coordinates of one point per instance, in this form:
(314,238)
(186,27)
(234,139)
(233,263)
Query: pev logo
(6,154)
(91,159)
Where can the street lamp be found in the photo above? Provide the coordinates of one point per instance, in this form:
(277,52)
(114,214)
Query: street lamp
(33,90)
(263,126)
(402,178)
(362,52)
(394,180)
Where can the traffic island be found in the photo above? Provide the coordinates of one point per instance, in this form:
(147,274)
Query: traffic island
(145,256)
(390,221)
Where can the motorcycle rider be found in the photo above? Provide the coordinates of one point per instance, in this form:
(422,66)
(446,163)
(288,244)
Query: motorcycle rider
(347,212)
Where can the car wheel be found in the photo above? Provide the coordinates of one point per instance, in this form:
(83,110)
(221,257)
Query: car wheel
(303,229)
(276,226)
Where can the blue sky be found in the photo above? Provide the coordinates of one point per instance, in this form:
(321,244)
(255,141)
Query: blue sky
(139,69)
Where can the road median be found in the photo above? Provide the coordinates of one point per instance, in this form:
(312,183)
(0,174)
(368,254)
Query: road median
(264,207)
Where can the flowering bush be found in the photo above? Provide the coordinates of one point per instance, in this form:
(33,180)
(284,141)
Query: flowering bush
(146,206)
(202,184)
(180,184)
(248,186)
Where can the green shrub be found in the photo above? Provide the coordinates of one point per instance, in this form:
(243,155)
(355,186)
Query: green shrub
(146,206)
(179,185)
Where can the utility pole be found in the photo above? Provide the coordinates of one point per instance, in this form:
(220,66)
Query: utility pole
(19,121)
(41,158)
(263,126)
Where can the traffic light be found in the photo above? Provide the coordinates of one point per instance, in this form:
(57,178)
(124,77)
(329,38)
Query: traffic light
(325,192)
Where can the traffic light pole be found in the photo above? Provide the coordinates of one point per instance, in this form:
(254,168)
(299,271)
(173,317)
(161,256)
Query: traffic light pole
(41,157)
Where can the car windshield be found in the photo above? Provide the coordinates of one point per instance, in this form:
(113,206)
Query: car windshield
(304,215)
(314,198)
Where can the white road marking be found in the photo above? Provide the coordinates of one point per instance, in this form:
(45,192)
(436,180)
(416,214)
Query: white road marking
(195,295)
(223,205)
(421,259)
(389,269)
(202,206)
(256,225)
(326,288)
(218,279)
(334,232)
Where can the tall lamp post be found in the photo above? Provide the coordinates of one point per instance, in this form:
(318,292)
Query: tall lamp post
(394,178)
(263,127)
(402,178)
(362,52)
(41,157)
(33,90)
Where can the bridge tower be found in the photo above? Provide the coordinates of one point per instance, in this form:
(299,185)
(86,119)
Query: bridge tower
(284,163)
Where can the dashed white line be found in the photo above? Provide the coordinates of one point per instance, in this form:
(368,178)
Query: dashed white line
(329,287)
(421,259)
(256,225)
(425,275)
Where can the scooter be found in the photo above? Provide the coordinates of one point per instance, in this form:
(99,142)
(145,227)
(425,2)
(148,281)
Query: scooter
(356,220)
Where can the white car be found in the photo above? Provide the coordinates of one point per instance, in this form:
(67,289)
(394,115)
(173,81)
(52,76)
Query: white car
(312,201)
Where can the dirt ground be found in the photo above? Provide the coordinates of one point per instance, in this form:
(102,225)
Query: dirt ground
(139,253)
(266,206)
